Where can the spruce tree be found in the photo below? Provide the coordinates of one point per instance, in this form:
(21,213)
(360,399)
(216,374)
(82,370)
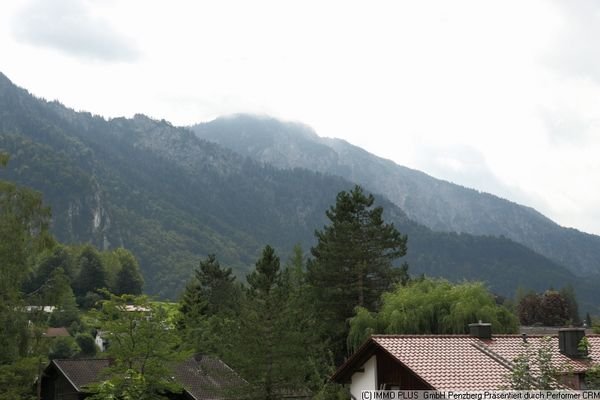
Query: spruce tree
(271,346)
(209,309)
(212,291)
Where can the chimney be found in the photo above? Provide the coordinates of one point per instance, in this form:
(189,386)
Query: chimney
(568,342)
(481,330)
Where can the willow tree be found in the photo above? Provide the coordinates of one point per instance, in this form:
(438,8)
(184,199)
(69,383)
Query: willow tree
(432,306)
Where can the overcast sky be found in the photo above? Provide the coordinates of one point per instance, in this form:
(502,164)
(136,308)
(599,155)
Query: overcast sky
(500,96)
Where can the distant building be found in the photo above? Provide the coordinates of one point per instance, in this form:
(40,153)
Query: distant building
(101,340)
(45,309)
(56,332)
(134,308)
(457,362)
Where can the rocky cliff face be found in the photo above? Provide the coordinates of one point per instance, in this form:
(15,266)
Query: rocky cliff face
(439,205)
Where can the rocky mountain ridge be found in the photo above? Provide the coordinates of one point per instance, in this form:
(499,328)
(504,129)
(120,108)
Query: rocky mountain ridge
(437,204)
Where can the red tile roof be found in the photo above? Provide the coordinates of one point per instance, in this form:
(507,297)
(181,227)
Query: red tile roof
(447,362)
(510,346)
(461,362)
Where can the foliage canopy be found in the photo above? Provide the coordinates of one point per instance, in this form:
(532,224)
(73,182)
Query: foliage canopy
(431,306)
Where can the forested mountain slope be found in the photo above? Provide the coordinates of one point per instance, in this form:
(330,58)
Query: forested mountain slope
(440,205)
(172,198)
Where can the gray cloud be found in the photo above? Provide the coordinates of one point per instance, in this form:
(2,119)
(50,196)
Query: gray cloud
(70,27)
(467,166)
(576,52)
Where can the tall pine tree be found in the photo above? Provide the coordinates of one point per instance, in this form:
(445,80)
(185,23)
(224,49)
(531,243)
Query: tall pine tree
(352,263)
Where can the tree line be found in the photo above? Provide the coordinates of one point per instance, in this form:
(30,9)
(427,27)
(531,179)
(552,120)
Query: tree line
(287,327)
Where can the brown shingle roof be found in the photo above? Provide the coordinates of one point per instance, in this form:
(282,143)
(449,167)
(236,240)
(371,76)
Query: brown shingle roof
(56,332)
(201,377)
(460,362)
(81,372)
(205,377)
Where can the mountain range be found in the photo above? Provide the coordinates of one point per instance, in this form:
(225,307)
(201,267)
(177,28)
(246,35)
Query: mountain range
(174,194)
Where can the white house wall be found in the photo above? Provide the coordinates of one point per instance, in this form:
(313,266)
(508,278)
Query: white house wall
(366,380)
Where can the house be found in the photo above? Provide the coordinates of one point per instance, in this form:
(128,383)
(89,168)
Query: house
(56,332)
(44,309)
(474,362)
(101,341)
(202,378)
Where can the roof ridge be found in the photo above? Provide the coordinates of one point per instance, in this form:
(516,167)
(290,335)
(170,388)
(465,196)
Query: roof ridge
(426,335)
(463,335)
(493,355)
(529,335)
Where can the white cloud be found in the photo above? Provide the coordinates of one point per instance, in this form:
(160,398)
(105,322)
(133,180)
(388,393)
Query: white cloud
(71,27)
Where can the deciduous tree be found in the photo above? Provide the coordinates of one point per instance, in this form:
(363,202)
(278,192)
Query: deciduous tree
(92,275)
(431,306)
(129,278)
(23,235)
(550,308)
(143,345)
(533,368)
